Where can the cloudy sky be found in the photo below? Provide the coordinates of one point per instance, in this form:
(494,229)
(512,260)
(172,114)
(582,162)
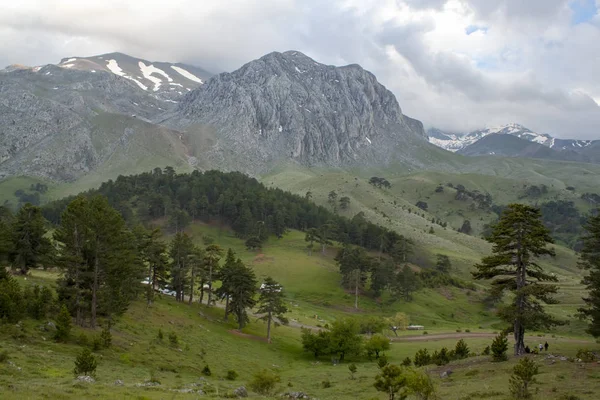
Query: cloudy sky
(455,64)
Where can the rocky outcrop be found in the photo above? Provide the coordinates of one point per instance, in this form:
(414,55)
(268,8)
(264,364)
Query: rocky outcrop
(60,124)
(288,107)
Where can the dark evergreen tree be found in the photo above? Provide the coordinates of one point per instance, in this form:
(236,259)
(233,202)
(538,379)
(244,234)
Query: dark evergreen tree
(99,256)
(519,239)
(312,235)
(443,264)
(212,256)
(466,227)
(227,277)
(406,282)
(153,254)
(344,202)
(30,246)
(590,261)
(242,286)
(181,249)
(271,303)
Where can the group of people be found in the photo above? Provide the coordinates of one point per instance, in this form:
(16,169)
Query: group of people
(541,348)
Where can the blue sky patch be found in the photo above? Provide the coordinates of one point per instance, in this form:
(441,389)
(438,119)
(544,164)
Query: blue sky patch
(583,11)
(474,28)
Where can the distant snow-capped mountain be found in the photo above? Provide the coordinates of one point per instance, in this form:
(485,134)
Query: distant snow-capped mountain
(458,141)
(166,80)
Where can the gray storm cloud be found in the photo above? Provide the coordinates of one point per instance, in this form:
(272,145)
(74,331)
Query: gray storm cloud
(527,64)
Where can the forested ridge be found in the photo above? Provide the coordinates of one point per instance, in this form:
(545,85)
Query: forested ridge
(248,206)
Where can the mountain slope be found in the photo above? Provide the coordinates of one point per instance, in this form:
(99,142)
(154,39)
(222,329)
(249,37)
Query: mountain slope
(62,123)
(166,80)
(287,107)
(457,141)
(512,146)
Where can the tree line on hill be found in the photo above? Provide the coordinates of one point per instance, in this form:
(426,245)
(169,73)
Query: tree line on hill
(103,263)
(250,208)
(103,259)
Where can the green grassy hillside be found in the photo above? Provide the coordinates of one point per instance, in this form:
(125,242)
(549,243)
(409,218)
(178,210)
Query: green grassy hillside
(37,367)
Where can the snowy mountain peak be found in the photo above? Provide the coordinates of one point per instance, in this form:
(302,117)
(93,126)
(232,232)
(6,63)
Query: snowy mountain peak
(457,142)
(166,80)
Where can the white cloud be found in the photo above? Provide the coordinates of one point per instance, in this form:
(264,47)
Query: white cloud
(523,61)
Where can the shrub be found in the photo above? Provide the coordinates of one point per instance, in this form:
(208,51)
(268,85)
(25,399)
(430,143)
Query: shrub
(468,330)
(422,358)
(106,337)
(425,333)
(377,344)
(499,348)
(440,357)
(326,384)
(63,325)
(264,381)
(173,339)
(421,385)
(382,361)
(206,371)
(231,375)
(97,344)
(585,355)
(85,363)
(406,362)
(352,368)
(523,375)
(3,356)
(461,350)
(160,335)
(83,340)
(486,351)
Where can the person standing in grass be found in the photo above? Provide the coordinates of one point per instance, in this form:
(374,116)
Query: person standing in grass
(546,345)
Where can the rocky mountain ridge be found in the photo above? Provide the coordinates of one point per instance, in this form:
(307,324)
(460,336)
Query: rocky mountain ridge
(61,123)
(286,107)
(457,141)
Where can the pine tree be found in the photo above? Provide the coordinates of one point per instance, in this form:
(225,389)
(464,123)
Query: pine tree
(391,380)
(180,250)
(85,363)
(195,262)
(271,303)
(590,261)
(242,286)
(99,256)
(406,283)
(30,246)
(6,235)
(312,235)
(523,375)
(499,348)
(226,276)
(212,256)
(344,202)
(153,253)
(63,325)
(519,239)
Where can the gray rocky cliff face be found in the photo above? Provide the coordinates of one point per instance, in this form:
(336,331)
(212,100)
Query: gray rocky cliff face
(49,125)
(286,106)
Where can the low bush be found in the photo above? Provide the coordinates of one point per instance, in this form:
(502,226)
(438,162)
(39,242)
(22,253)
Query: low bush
(264,381)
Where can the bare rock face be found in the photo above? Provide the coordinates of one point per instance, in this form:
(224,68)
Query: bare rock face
(286,106)
(59,123)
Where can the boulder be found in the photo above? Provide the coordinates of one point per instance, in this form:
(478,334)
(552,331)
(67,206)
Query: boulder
(241,392)
(86,378)
(446,374)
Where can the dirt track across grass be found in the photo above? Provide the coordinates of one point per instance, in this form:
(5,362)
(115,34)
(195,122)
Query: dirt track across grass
(442,336)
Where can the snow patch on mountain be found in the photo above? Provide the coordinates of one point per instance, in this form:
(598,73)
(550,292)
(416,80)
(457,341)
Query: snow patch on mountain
(148,70)
(187,74)
(113,66)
